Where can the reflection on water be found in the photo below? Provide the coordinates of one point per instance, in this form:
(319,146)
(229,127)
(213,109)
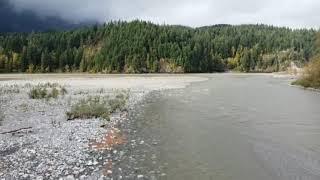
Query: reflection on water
(236,127)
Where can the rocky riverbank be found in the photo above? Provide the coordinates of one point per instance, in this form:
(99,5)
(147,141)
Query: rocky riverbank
(38,142)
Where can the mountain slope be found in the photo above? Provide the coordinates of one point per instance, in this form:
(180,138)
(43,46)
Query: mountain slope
(140,47)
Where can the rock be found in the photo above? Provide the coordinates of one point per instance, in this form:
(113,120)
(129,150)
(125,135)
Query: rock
(140,176)
(163,174)
(39,178)
(90,163)
(122,153)
(154,143)
(82,170)
(153,178)
(70,177)
(101,177)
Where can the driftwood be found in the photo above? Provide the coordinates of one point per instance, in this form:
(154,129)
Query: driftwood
(16,130)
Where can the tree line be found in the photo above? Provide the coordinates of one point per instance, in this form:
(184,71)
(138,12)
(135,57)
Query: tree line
(144,47)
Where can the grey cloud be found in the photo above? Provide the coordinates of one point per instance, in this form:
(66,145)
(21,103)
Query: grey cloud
(292,13)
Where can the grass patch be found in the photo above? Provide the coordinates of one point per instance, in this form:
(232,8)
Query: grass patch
(91,107)
(97,107)
(1,117)
(10,89)
(47,91)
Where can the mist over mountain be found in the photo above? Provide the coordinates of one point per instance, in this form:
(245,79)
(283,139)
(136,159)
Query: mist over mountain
(193,13)
(27,20)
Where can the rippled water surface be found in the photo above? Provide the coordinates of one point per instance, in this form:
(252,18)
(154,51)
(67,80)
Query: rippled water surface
(236,127)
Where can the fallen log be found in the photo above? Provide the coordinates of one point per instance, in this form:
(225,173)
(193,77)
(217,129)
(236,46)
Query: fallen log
(16,130)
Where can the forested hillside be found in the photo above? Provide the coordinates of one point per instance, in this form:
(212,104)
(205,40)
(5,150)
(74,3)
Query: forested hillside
(136,47)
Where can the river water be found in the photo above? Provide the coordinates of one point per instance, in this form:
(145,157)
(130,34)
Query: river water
(235,127)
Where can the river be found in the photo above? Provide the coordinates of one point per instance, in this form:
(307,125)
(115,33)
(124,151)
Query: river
(234,127)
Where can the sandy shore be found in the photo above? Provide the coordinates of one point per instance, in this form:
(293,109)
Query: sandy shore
(51,147)
(144,82)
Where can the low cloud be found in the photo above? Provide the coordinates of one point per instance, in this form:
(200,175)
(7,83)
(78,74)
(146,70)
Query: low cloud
(292,13)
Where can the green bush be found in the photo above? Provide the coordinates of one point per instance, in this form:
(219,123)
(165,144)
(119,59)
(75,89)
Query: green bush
(38,93)
(116,104)
(47,91)
(97,107)
(54,93)
(91,107)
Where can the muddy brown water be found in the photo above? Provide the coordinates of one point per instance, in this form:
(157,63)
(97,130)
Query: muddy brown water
(235,127)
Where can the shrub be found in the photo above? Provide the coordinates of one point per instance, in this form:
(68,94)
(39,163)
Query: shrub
(63,91)
(47,91)
(101,91)
(9,89)
(116,104)
(311,76)
(38,93)
(54,93)
(97,107)
(92,107)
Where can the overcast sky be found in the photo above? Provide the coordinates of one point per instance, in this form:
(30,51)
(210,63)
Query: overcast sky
(291,13)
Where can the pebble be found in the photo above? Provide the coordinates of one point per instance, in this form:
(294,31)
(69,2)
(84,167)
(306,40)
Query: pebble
(153,178)
(70,177)
(140,176)
(64,151)
(154,143)
(163,174)
(90,163)
(39,178)
(122,153)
